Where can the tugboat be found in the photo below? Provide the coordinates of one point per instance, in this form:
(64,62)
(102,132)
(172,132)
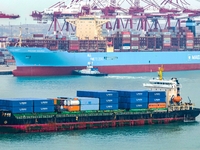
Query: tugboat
(89,71)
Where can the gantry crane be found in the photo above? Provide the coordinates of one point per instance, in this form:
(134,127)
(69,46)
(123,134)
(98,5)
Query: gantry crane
(114,10)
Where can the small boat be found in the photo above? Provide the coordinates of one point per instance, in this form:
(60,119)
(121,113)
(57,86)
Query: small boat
(89,71)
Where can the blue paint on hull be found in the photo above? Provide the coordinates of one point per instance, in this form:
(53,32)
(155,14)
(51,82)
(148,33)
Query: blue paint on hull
(26,57)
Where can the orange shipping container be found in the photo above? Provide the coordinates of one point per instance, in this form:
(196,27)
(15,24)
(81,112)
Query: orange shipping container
(189,44)
(189,33)
(65,107)
(162,104)
(168,44)
(73,108)
(190,37)
(157,105)
(55,101)
(125,32)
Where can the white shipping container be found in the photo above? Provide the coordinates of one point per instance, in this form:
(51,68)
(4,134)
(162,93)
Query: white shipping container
(189,47)
(126,35)
(135,47)
(166,33)
(134,39)
(5,52)
(189,41)
(7,57)
(166,41)
(125,47)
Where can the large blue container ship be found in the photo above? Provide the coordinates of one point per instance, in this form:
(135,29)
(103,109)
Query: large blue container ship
(121,52)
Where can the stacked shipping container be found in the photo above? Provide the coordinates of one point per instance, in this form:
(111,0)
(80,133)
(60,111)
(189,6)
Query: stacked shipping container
(17,105)
(27,105)
(108,100)
(43,105)
(166,39)
(157,99)
(6,58)
(135,43)
(126,40)
(133,99)
(89,101)
(189,40)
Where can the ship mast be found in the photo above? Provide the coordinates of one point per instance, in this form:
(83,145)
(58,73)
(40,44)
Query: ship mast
(160,72)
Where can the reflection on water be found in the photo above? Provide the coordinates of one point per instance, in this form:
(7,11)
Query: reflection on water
(139,137)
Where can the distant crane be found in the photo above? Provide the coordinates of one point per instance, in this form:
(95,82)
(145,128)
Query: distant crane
(115,10)
(9,16)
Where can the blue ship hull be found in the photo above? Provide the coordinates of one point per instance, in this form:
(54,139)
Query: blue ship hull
(32,61)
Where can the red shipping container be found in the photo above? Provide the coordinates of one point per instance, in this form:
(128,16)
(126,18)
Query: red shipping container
(125,32)
(166,44)
(125,41)
(189,44)
(74,48)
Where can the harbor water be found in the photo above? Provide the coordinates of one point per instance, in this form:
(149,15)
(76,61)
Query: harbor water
(175,136)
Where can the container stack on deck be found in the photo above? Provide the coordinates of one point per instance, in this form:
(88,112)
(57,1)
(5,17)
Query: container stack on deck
(133,99)
(6,58)
(43,105)
(157,99)
(17,105)
(108,100)
(135,43)
(126,41)
(169,39)
(27,105)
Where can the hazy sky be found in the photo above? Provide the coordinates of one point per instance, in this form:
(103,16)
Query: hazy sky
(25,7)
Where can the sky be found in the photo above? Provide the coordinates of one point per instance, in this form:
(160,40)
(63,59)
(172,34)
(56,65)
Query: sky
(25,7)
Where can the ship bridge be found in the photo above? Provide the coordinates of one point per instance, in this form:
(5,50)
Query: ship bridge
(155,84)
(88,27)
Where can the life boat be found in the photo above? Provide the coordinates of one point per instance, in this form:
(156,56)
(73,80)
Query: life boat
(177,99)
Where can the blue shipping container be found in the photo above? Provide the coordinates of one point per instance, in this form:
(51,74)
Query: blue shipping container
(88,100)
(84,93)
(105,94)
(89,107)
(18,102)
(136,93)
(122,100)
(157,99)
(135,99)
(126,44)
(157,94)
(18,110)
(120,92)
(43,102)
(123,105)
(137,105)
(3,108)
(43,109)
(108,107)
(114,100)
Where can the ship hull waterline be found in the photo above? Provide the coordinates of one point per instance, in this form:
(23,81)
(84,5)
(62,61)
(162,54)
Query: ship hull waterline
(56,71)
(56,127)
